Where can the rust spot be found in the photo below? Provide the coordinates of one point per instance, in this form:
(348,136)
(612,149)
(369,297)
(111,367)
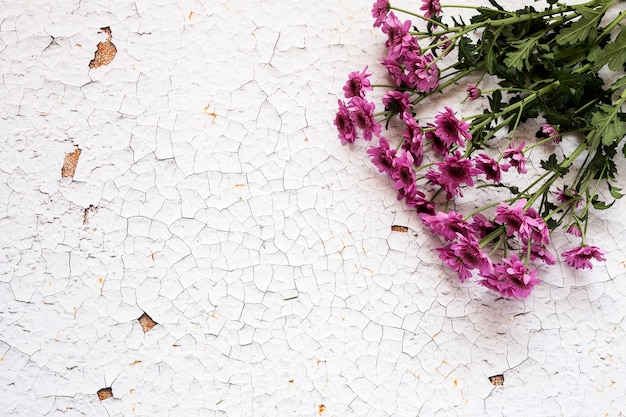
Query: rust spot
(105,393)
(239,185)
(321,409)
(105,51)
(212,114)
(456,383)
(135,363)
(146,322)
(496,380)
(100,280)
(69,164)
(131,391)
(291,381)
(397,228)
(190,14)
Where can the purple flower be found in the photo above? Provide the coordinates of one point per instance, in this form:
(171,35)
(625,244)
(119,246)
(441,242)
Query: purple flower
(437,145)
(363,117)
(511,217)
(398,38)
(489,166)
(431,8)
(534,228)
(404,174)
(345,125)
(511,278)
(481,225)
(357,84)
(397,102)
(423,73)
(412,142)
(566,195)
(574,229)
(453,172)
(540,252)
(448,225)
(450,129)
(453,262)
(549,131)
(473,92)
(383,156)
(580,257)
(419,202)
(394,69)
(379,11)
(516,157)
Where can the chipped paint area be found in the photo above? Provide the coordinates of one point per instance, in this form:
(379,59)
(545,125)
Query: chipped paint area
(218,252)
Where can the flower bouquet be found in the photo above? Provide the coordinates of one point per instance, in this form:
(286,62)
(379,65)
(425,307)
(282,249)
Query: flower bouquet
(561,67)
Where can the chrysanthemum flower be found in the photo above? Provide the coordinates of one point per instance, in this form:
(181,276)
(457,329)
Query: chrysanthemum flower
(452,173)
(403,173)
(398,38)
(345,125)
(357,84)
(454,262)
(549,131)
(397,102)
(511,278)
(473,92)
(516,157)
(383,156)
(422,71)
(379,12)
(431,8)
(448,225)
(489,166)
(450,129)
(412,140)
(363,117)
(574,230)
(580,257)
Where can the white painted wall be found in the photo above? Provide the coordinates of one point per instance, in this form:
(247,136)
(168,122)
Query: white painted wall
(226,209)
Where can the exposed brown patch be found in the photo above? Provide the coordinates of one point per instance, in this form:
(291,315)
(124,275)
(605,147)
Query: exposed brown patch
(321,409)
(146,322)
(105,393)
(105,52)
(69,164)
(497,380)
(88,212)
(397,228)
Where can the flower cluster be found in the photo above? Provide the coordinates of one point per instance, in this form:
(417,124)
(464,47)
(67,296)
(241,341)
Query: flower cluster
(433,163)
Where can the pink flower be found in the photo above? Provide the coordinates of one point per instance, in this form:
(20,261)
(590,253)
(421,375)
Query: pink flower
(431,8)
(404,174)
(345,125)
(540,252)
(363,117)
(383,156)
(453,172)
(398,38)
(412,140)
(397,102)
(448,225)
(452,261)
(527,223)
(450,129)
(423,73)
(394,69)
(574,230)
(511,278)
(580,257)
(566,195)
(548,131)
(437,145)
(379,11)
(481,225)
(419,202)
(516,157)
(534,228)
(357,84)
(473,92)
(465,255)
(489,166)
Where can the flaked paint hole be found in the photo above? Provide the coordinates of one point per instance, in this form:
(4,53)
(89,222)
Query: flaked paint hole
(69,164)
(105,393)
(397,228)
(105,51)
(321,409)
(146,322)
(496,380)
(88,212)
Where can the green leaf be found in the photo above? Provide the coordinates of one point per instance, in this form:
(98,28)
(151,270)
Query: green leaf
(615,191)
(584,28)
(620,83)
(552,165)
(600,205)
(518,58)
(607,126)
(613,54)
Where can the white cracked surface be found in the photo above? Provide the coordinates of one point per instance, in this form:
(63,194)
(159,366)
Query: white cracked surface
(212,193)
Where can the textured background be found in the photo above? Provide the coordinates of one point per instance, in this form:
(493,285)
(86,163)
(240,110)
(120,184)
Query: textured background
(212,194)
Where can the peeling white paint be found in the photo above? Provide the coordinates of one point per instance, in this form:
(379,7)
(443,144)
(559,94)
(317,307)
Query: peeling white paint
(212,193)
